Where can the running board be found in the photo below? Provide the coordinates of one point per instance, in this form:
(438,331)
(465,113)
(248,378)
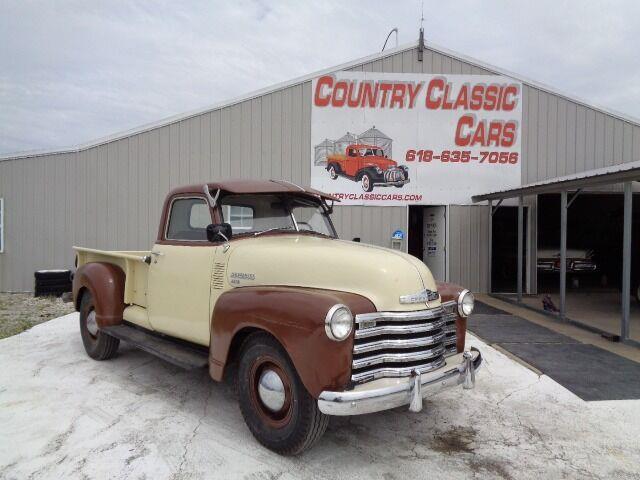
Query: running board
(170,350)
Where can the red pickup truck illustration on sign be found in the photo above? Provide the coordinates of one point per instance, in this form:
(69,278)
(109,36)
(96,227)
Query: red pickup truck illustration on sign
(368,165)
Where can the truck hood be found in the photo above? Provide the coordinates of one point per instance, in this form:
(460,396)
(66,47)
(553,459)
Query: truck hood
(381,162)
(380,274)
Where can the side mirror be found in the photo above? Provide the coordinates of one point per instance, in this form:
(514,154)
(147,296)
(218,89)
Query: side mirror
(219,233)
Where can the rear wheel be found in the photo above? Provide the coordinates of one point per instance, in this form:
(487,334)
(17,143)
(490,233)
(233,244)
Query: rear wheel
(97,344)
(366,182)
(276,406)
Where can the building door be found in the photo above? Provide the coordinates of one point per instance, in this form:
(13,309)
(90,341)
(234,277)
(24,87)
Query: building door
(504,250)
(434,243)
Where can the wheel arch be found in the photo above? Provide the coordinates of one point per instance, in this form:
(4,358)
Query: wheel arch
(105,282)
(336,165)
(368,169)
(295,318)
(78,297)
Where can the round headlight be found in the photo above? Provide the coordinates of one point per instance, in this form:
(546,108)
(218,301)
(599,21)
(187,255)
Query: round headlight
(465,303)
(378,169)
(338,322)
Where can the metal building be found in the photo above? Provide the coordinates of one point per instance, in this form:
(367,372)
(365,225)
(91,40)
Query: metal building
(108,193)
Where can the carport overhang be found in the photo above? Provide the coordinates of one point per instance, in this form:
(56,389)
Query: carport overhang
(625,173)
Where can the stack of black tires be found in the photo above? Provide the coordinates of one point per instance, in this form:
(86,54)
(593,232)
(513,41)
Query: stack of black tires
(52,283)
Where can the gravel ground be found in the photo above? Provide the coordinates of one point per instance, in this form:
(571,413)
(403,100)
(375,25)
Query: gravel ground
(21,311)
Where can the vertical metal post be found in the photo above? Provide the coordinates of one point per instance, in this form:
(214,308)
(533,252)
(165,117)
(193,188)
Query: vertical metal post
(563,255)
(626,261)
(490,247)
(520,246)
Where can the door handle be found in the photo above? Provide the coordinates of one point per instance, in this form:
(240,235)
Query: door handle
(157,255)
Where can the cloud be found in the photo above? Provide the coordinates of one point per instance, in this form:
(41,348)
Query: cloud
(74,71)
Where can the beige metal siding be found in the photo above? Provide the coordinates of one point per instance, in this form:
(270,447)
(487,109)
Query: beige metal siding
(468,253)
(371,224)
(561,137)
(109,196)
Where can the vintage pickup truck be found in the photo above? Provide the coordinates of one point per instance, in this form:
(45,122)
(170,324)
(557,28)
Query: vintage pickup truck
(249,279)
(368,165)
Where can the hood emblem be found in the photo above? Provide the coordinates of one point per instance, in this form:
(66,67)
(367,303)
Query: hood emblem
(422,296)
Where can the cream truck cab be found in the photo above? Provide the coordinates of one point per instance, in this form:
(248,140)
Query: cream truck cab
(249,280)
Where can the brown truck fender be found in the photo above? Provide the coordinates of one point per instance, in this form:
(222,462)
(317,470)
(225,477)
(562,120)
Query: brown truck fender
(295,317)
(449,292)
(105,281)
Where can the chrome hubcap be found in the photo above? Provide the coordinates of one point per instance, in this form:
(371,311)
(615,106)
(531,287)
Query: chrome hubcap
(271,390)
(92,324)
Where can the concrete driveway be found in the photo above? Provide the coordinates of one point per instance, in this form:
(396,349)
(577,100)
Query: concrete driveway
(63,415)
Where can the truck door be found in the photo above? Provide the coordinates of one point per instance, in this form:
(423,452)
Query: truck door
(179,285)
(352,162)
(361,160)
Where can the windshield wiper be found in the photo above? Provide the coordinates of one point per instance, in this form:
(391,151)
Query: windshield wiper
(315,232)
(271,230)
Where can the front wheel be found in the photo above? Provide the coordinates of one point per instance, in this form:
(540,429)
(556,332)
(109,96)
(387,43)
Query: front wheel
(332,172)
(97,344)
(276,406)
(367,182)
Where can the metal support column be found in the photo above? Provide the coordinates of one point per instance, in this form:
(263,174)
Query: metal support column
(520,245)
(626,261)
(490,247)
(563,255)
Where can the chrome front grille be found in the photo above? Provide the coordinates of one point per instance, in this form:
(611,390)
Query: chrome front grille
(394,344)
(393,175)
(449,319)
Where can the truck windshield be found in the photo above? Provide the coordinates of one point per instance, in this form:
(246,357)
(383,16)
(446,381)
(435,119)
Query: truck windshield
(265,212)
(370,152)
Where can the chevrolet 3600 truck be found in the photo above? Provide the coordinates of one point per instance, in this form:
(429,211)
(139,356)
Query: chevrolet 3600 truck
(249,279)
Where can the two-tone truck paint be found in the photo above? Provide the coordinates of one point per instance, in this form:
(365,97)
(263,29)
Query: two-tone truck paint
(368,165)
(249,280)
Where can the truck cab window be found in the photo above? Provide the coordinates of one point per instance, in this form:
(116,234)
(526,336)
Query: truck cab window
(240,217)
(188,220)
(253,213)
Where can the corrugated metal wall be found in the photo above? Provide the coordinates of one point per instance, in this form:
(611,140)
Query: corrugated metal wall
(468,254)
(562,137)
(109,196)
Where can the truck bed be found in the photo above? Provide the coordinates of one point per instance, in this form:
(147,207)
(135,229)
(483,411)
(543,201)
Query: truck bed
(132,263)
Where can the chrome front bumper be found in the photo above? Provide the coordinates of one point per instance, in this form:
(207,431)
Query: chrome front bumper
(387,393)
(391,184)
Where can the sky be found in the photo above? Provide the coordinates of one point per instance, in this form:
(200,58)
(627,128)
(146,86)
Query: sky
(73,71)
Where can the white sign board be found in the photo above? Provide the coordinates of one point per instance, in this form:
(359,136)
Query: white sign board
(399,139)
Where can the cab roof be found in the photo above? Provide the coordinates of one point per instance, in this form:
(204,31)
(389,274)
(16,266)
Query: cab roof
(255,186)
